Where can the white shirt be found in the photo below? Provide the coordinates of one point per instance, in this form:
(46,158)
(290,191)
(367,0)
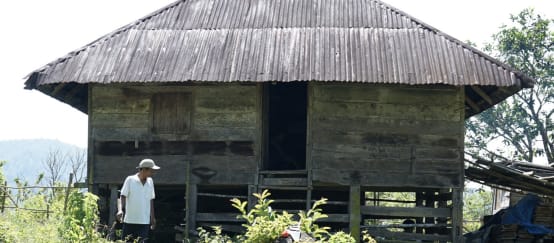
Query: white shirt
(138,197)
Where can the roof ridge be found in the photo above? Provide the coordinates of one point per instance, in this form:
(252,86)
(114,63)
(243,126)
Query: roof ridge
(525,78)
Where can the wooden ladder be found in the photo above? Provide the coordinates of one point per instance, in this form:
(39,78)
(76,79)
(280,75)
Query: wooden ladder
(287,180)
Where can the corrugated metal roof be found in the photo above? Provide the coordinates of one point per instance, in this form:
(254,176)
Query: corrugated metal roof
(278,40)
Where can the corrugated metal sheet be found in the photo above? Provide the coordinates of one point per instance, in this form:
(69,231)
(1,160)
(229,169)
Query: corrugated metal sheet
(377,55)
(278,40)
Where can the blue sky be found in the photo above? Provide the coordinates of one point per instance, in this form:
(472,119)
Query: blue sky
(36,32)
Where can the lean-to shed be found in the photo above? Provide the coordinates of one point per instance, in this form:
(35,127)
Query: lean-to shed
(307,98)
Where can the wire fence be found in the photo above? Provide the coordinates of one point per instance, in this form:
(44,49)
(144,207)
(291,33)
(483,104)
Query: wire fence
(5,196)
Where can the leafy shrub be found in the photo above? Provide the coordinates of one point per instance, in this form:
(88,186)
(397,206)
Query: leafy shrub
(265,225)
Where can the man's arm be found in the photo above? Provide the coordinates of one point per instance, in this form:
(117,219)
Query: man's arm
(121,208)
(152,215)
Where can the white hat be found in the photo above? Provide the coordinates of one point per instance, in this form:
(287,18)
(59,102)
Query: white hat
(148,163)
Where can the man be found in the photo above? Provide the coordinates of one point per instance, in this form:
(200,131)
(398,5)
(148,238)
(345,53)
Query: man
(137,203)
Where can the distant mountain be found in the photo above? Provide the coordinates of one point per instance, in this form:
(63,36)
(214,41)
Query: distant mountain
(25,158)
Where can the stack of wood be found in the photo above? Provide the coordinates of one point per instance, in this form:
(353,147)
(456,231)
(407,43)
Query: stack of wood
(512,233)
(543,215)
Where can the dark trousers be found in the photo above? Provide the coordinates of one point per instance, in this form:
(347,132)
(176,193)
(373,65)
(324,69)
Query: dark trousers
(132,232)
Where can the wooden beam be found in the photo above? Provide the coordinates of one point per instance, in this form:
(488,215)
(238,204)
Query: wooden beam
(406,212)
(57,89)
(226,227)
(113,204)
(251,198)
(482,93)
(90,143)
(407,236)
(354,211)
(192,216)
(457,216)
(335,218)
(472,104)
(218,217)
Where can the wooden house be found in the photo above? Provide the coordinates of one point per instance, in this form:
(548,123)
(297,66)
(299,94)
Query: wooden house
(307,98)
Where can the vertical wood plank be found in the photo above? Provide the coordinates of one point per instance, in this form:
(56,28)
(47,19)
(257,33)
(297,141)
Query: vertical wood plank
(355,211)
(309,145)
(251,199)
(442,204)
(4,192)
(67,191)
(191,208)
(457,193)
(419,203)
(457,215)
(260,134)
(90,149)
(429,203)
(113,204)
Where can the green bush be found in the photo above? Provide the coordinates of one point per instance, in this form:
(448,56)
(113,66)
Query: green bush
(77,224)
(265,225)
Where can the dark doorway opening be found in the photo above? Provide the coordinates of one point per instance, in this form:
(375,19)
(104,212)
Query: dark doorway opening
(286,120)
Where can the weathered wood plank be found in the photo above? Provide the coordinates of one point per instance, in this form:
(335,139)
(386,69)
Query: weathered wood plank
(385,178)
(246,103)
(331,136)
(387,125)
(402,111)
(354,210)
(226,119)
(207,169)
(407,236)
(119,133)
(121,104)
(386,94)
(207,133)
(407,212)
(285,181)
(114,169)
(125,120)
(218,217)
(335,218)
(225,162)
(228,91)
(423,166)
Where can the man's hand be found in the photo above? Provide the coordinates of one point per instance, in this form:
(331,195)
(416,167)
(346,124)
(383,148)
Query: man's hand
(119,216)
(152,223)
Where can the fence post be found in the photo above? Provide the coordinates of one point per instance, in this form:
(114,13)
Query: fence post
(67,191)
(47,211)
(4,193)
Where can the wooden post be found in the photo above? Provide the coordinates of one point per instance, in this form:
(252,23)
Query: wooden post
(4,192)
(419,203)
(67,191)
(113,204)
(429,203)
(443,204)
(251,199)
(191,208)
(90,142)
(47,210)
(355,211)
(457,215)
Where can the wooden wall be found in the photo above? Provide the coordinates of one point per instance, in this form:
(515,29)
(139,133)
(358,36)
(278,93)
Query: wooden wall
(386,135)
(220,144)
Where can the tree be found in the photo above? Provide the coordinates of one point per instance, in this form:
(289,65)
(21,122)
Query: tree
(522,123)
(477,203)
(55,165)
(77,163)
